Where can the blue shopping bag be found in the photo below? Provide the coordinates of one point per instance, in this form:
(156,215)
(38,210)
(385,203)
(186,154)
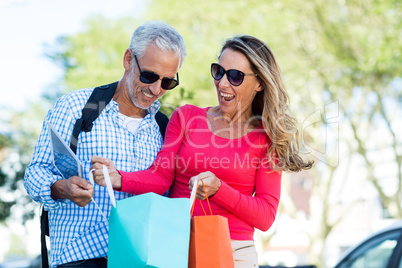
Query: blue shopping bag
(149,230)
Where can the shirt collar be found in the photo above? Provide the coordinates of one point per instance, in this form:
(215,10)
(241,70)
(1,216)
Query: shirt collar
(154,108)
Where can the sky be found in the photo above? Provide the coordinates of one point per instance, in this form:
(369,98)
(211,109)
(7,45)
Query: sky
(26,25)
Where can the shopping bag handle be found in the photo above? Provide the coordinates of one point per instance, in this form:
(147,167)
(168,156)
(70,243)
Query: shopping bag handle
(108,183)
(192,198)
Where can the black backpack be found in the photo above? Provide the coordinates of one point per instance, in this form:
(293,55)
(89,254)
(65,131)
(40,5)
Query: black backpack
(98,100)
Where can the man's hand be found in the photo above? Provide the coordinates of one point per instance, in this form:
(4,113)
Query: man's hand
(75,189)
(97,171)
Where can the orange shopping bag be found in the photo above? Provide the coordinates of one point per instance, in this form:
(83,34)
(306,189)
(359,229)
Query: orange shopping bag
(210,245)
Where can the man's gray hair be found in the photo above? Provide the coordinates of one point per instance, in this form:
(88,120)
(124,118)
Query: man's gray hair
(160,34)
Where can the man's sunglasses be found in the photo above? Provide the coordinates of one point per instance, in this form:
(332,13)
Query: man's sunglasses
(151,77)
(235,77)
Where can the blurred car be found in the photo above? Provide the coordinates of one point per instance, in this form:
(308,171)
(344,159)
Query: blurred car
(16,263)
(383,249)
(298,266)
(22,262)
(36,263)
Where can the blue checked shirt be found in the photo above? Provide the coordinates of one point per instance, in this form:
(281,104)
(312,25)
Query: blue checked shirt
(81,233)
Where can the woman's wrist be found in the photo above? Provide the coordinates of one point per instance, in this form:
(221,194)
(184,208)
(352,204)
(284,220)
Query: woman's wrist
(117,185)
(218,186)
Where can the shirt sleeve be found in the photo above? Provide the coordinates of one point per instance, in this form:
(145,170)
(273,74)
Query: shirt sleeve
(260,209)
(159,177)
(41,174)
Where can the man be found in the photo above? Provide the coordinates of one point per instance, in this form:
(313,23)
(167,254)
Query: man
(125,132)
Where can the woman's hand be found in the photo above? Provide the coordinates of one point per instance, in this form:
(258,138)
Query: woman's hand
(97,171)
(211,182)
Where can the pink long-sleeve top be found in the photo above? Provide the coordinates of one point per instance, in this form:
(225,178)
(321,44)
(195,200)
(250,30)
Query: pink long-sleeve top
(250,190)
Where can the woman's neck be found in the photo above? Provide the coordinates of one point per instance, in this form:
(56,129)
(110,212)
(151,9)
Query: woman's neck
(236,117)
(231,126)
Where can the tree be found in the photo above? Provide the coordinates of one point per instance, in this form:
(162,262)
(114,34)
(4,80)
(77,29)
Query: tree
(355,43)
(5,205)
(353,54)
(23,130)
(93,57)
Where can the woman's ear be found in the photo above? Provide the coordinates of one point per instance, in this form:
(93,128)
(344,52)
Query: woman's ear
(259,86)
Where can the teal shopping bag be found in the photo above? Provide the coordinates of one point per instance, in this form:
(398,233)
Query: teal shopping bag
(149,230)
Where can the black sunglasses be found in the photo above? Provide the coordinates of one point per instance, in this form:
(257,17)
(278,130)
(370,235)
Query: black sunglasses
(151,77)
(235,77)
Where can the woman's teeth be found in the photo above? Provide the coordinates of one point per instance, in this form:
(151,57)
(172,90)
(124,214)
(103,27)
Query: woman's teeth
(227,97)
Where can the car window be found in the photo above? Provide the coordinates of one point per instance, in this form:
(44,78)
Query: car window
(374,253)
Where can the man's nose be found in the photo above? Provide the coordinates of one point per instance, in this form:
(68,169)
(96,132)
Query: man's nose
(156,87)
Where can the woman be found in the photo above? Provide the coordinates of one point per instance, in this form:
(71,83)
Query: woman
(238,148)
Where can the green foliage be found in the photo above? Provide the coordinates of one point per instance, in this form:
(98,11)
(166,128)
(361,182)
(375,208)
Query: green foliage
(95,56)
(5,210)
(180,97)
(206,25)
(4,141)
(17,246)
(356,42)
(14,158)
(5,205)
(8,183)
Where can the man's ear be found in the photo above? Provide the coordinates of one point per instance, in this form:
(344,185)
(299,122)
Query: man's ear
(128,59)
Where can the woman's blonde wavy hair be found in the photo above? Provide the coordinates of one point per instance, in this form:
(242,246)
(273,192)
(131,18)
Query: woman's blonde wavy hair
(271,104)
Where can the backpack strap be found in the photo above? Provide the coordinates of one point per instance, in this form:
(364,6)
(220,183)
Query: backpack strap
(44,230)
(98,100)
(162,121)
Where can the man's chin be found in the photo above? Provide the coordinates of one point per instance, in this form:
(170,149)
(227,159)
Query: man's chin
(143,102)
(143,105)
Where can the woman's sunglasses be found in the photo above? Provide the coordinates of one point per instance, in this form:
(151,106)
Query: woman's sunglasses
(151,77)
(235,77)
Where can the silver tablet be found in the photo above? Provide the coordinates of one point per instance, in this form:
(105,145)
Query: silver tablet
(66,162)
